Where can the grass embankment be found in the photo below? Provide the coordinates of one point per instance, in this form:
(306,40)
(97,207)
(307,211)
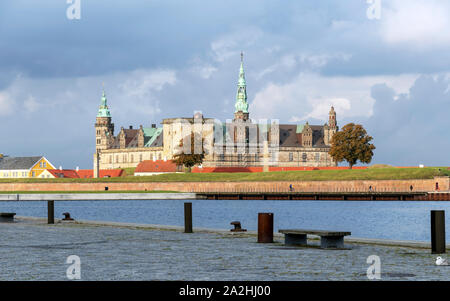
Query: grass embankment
(388,173)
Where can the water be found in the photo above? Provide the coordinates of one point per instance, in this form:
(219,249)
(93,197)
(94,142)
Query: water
(386,220)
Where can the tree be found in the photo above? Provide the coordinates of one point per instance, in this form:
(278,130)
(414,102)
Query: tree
(194,156)
(352,143)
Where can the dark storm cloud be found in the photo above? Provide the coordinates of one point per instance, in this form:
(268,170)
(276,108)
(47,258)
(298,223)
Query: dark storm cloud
(413,128)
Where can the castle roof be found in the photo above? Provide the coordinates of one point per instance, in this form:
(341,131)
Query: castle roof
(156,166)
(14,163)
(65,173)
(103,110)
(153,137)
(103,173)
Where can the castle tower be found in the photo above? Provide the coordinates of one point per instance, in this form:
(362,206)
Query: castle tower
(241,105)
(307,136)
(330,129)
(332,118)
(104,129)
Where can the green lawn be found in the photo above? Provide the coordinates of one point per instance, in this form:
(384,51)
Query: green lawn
(129,171)
(389,173)
(95,191)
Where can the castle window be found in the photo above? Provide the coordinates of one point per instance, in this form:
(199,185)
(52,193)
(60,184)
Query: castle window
(140,158)
(304,157)
(117,159)
(124,158)
(110,159)
(132,158)
(291,157)
(317,157)
(274,157)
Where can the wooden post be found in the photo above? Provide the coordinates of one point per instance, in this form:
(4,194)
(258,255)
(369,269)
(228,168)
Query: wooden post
(51,212)
(437,231)
(265,227)
(188,218)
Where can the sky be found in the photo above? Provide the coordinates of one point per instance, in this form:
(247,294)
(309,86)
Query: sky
(382,64)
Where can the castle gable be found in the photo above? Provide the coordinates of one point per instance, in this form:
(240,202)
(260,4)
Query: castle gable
(291,135)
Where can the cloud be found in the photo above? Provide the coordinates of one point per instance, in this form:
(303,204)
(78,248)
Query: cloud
(231,44)
(6,104)
(310,95)
(302,61)
(412,128)
(71,105)
(31,105)
(142,82)
(203,69)
(423,24)
(321,108)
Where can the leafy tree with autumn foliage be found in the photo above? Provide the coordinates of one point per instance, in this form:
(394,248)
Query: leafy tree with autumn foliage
(190,158)
(352,144)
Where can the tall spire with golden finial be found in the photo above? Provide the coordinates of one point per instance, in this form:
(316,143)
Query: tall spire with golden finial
(241,96)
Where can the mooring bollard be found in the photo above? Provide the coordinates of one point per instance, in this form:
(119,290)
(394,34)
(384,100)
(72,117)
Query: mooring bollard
(187,217)
(437,231)
(51,212)
(265,227)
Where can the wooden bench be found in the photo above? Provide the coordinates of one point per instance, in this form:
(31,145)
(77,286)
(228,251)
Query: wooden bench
(7,216)
(328,239)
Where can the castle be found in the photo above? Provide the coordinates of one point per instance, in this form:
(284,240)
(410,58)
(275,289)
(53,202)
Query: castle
(241,142)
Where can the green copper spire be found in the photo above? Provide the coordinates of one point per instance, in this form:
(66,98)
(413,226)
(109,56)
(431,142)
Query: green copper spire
(103,111)
(241,96)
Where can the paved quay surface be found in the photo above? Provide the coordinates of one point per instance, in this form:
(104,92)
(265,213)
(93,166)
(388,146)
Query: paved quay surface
(33,250)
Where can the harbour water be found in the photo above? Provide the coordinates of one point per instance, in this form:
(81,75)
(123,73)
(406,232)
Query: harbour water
(384,220)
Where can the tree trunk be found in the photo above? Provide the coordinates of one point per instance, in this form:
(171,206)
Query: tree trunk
(350,166)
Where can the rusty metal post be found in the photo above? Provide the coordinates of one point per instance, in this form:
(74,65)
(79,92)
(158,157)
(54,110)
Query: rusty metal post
(437,231)
(188,218)
(51,212)
(265,227)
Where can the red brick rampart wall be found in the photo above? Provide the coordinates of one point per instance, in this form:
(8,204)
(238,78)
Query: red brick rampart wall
(271,168)
(279,186)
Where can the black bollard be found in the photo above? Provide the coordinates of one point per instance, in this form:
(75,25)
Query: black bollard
(51,212)
(265,227)
(437,231)
(187,217)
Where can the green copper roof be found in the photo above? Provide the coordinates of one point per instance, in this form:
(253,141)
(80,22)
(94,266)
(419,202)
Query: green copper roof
(299,128)
(241,96)
(150,135)
(103,111)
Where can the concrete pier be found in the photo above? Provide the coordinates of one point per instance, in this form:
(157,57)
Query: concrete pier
(96,196)
(36,251)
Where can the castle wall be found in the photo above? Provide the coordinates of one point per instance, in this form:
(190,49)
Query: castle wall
(426,185)
(129,157)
